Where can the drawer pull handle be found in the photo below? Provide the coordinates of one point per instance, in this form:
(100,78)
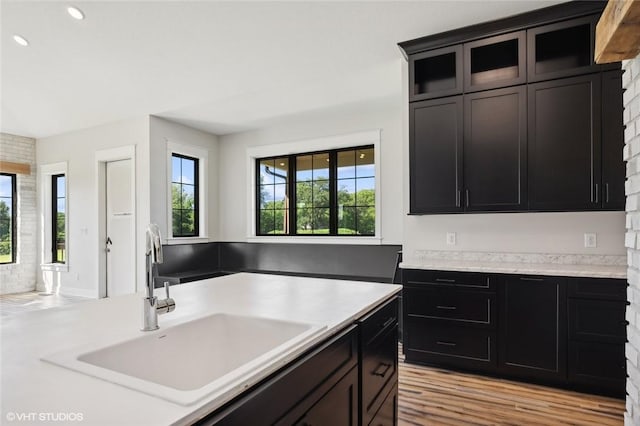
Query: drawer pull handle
(445,280)
(388,322)
(447,308)
(445,343)
(531,279)
(382,373)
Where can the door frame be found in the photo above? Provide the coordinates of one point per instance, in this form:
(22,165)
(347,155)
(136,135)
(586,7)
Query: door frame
(103,157)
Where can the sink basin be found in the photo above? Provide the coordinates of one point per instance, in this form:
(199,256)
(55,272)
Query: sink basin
(217,355)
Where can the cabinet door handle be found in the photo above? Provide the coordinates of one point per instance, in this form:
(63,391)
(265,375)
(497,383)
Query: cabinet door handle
(380,366)
(596,193)
(458,198)
(439,342)
(445,280)
(606,192)
(388,322)
(447,308)
(531,279)
(466,197)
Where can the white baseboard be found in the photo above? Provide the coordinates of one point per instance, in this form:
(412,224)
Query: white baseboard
(82,292)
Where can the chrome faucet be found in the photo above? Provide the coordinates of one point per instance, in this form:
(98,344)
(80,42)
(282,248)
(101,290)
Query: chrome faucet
(151,305)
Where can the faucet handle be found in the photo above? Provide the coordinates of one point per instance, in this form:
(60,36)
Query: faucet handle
(166,288)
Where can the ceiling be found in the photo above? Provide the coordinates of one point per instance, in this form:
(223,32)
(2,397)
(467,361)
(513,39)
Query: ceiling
(222,67)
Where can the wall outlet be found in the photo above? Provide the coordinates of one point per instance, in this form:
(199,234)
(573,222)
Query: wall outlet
(451,238)
(590,240)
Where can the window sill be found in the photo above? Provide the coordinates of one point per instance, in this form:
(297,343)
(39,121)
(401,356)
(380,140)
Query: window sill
(187,240)
(55,267)
(316,240)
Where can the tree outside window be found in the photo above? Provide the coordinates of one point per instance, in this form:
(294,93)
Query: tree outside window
(184,196)
(58,219)
(333,193)
(7,217)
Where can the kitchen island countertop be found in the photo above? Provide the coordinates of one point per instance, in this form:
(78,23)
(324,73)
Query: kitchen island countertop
(33,390)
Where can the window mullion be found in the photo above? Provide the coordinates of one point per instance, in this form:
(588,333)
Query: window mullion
(293,196)
(333,193)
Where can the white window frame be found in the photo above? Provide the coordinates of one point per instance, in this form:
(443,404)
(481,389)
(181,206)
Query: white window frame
(46,209)
(350,140)
(202,155)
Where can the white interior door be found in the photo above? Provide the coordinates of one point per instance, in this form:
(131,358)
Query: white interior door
(120,241)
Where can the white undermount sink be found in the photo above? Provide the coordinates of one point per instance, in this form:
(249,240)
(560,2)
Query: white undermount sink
(214,355)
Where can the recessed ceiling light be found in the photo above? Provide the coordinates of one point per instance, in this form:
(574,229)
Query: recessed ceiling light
(281,164)
(20,40)
(75,13)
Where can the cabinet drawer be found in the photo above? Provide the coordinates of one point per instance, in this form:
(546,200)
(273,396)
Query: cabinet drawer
(456,342)
(379,366)
(597,320)
(598,288)
(450,304)
(599,366)
(376,322)
(387,415)
(412,277)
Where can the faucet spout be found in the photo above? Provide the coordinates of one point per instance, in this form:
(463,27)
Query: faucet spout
(153,255)
(151,306)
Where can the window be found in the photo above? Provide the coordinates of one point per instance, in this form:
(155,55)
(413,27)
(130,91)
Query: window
(184,196)
(321,193)
(7,218)
(58,218)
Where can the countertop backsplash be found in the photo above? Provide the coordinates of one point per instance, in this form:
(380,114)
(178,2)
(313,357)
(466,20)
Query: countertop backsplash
(543,258)
(570,265)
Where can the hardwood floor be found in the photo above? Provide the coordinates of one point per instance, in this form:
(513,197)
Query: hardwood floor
(12,304)
(430,396)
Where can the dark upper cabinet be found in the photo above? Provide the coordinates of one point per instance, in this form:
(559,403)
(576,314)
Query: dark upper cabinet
(495,148)
(613,168)
(435,73)
(564,144)
(495,62)
(533,328)
(524,121)
(561,49)
(435,145)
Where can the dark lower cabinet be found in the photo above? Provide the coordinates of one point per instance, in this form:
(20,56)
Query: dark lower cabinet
(597,335)
(336,407)
(378,358)
(533,331)
(559,331)
(387,415)
(346,381)
(450,319)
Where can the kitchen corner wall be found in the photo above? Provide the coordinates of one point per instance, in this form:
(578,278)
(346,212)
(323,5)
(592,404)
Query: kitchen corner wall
(161,132)
(631,82)
(555,233)
(78,149)
(21,276)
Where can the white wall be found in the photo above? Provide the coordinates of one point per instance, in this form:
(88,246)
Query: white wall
(384,114)
(21,276)
(78,149)
(561,233)
(162,131)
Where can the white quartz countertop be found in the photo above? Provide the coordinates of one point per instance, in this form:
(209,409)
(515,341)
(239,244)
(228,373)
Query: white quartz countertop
(550,269)
(33,390)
